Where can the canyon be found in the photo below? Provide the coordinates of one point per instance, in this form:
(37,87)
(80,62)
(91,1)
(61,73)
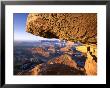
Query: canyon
(74,28)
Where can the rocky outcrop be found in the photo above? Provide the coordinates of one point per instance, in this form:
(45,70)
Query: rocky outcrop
(62,65)
(63,59)
(68,26)
(91,65)
(91,61)
(72,27)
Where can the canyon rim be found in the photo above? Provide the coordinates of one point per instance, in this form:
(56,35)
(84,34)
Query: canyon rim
(75,51)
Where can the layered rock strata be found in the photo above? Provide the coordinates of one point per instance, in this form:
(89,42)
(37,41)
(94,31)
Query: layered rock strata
(66,26)
(62,65)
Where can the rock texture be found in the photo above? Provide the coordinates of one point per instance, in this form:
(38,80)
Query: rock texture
(91,61)
(68,26)
(71,27)
(91,65)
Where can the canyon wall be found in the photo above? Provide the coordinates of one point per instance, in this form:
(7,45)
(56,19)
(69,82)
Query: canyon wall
(71,27)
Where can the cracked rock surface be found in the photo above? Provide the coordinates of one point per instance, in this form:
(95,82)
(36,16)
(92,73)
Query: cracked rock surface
(67,26)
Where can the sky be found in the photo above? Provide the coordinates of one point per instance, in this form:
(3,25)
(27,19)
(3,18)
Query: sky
(19,22)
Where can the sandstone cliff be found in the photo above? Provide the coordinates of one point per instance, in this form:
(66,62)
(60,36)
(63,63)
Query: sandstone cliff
(91,61)
(68,26)
(91,65)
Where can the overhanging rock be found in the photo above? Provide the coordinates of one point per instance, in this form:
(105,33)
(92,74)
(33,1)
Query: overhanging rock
(68,26)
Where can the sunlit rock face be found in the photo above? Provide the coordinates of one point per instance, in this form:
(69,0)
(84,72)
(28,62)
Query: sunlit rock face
(91,61)
(72,27)
(67,26)
(91,65)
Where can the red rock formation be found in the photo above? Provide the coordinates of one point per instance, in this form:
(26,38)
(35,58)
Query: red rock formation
(65,49)
(68,26)
(63,65)
(90,65)
(91,61)
(40,51)
(64,59)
